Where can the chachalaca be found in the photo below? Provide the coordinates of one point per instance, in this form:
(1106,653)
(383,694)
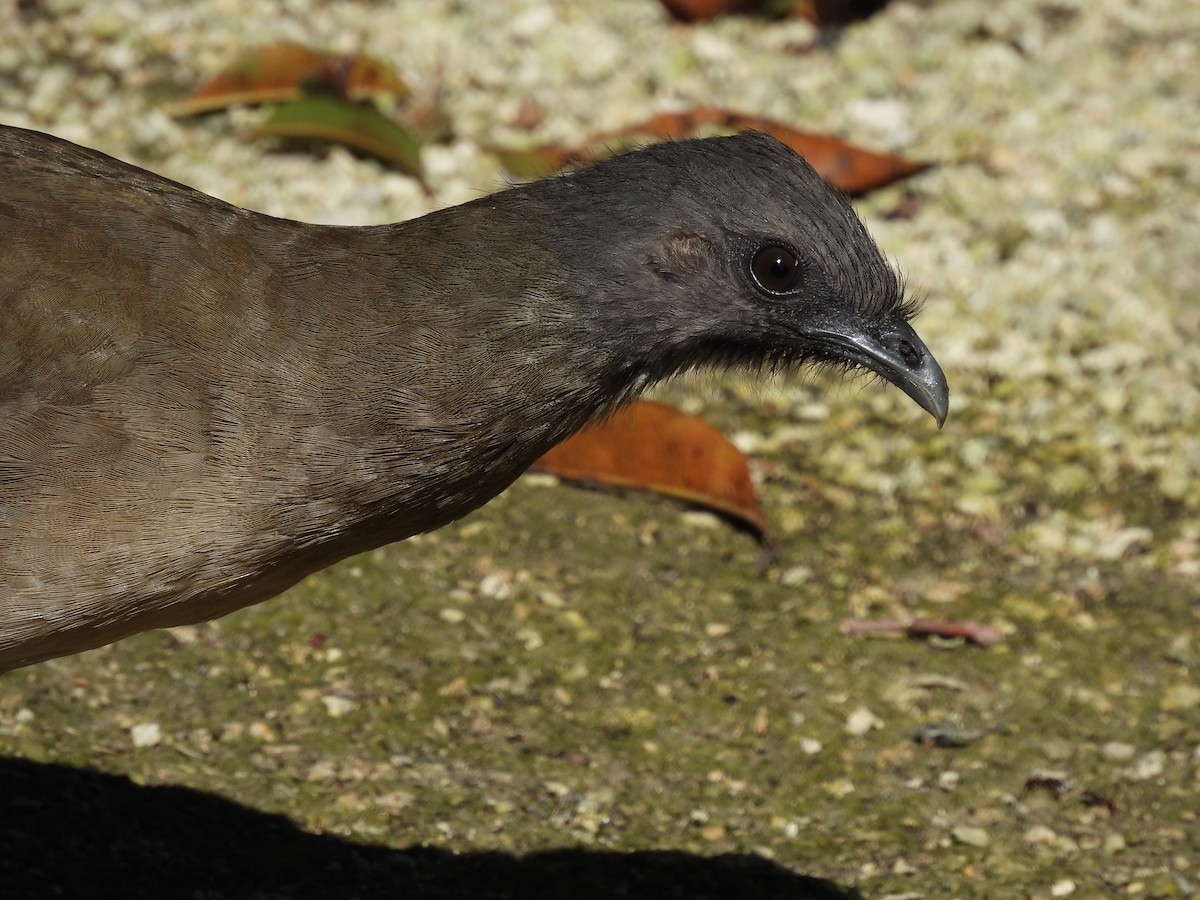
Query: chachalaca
(200,405)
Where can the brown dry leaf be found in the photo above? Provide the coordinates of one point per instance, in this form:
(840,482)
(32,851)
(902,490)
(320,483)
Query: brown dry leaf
(702,10)
(653,447)
(280,72)
(851,169)
(836,12)
(820,12)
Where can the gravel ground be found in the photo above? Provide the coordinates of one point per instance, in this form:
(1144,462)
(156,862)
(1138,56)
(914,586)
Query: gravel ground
(612,679)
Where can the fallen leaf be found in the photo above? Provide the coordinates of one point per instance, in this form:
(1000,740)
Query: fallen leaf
(282,72)
(356,125)
(653,447)
(702,10)
(820,12)
(849,168)
(823,13)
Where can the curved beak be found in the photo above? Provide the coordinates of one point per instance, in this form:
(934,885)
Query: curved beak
(902,358)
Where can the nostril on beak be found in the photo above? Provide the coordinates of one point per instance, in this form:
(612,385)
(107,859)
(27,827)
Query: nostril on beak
(911,355)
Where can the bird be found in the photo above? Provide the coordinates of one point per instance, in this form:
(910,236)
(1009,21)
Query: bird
(200,405)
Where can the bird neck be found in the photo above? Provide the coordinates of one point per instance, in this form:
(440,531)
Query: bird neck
(419,405)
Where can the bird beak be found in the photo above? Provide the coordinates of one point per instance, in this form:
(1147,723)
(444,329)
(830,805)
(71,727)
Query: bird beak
(900,357)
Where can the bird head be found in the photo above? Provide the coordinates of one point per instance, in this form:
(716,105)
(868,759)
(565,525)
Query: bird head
(735,251)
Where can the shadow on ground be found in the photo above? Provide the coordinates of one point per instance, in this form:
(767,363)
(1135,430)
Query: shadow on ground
(67,832)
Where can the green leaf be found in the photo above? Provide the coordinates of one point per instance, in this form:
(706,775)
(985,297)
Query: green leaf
(356,125)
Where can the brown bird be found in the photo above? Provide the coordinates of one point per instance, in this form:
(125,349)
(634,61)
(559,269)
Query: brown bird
(200,405)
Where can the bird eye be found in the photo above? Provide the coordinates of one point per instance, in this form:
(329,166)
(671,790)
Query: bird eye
(776,269)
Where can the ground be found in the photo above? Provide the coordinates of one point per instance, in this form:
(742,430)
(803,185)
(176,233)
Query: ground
(581,693)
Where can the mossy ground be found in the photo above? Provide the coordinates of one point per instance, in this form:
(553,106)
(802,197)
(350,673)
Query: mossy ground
(579,669)
(620,679)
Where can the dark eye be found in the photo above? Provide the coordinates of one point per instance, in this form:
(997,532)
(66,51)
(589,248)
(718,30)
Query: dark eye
(776,269)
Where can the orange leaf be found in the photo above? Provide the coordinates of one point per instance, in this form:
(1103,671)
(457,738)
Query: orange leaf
(677,124)
(850,169)
(279,72)
(700,10)
(819,12)
(653,447)
(823,13)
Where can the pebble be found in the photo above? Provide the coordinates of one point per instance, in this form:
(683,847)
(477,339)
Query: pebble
(1148,766)
(337,707)
(1117,751)
(862,721)
(971,836)
(145,734)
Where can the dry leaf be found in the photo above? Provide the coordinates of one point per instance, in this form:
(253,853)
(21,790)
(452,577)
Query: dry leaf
(850,169)
(653,447)
(281,72)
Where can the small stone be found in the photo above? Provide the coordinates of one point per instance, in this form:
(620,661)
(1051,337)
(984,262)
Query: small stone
(748,442)
(1063,888)
(1180,697)
(1117,751)
(496,586)
(1122,542)
(1039,835)
(531,638)
(971,836)
(839,788)
(145,734)
(862,721)
(262,731)
(337,706)
(700,519)
(1151,765)
(795,576)
(903,867)
(884,116)
(552,599)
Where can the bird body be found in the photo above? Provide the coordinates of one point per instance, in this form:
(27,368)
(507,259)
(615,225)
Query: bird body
(200,405)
